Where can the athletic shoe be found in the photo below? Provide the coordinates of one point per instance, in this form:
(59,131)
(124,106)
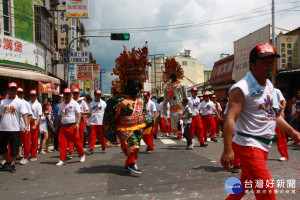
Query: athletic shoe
(60,163)
(167,134)
(162,135)
(5,166)
(33,159)
(24,161)
(190,147)
(205,140)
(82,158)
(90,152)
(69,155)
(12,169)
(2,162)
(203,145)
(235,169)
(103,151)
(282,159)
(134,169)
(214,140)
(149,151)
(126,169)
(154,136)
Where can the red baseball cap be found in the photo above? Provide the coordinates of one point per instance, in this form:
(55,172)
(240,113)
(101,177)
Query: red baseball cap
(1,97)
(262,50)
(12,84)
(146,93)
(33,92)
(76,90)
(194,89)
(98,92)
(20,89)
(67,90)
(213,96)
(205,94)
(201,98)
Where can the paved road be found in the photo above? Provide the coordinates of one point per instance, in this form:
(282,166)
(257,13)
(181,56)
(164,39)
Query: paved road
(170,173)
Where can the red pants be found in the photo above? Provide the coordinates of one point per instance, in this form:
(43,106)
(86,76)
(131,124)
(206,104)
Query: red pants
(132,156)
(209,125)
(217,125)
(34,139)
(148,139)
(81,136)
(236,161)
(69,134)
(254,161)
(196,128)
(282,143)
(26,140)
(93,136)
(155,127)
(163,126)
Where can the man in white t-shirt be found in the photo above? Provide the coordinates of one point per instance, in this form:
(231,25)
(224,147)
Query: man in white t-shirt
(196,127)
(36,109)
(11,110)
(219,110)
(25,137)
(208,108)
(250,123)
(69,116)
(96,112)
(150,113)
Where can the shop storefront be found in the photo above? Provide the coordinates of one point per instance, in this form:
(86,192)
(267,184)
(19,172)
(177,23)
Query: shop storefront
(221,77)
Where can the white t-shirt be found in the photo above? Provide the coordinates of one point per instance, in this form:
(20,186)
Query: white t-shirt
(36,109)
(168,109)
(29,112)
(150,109)
(83,106)
(97,111)
(69,112)
(11,110)
(256,117)
(194,105)
(207,107)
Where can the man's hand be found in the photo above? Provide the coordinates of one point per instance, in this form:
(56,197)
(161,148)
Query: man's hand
(26,130)
(296,137)
(34,127)
(227,160)
(77,126)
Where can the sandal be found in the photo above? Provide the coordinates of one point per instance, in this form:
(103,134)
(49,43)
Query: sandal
(49,151)
(43,152)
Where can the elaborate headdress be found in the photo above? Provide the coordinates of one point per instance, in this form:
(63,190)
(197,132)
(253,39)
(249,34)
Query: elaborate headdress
(172,67)
(130,65)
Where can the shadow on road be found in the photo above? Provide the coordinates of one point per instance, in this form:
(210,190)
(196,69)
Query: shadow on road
(210,168)
(110,169)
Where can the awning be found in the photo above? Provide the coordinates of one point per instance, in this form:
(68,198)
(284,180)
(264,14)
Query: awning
(222,71)
(27,74)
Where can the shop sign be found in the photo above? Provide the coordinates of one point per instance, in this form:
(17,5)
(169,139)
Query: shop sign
(64,23)
(242,48)
(77,8)
(222,73)
(50,88)
(88,86)
(80,57)
(20,51)
(288,49)
(96,76)
(85,72)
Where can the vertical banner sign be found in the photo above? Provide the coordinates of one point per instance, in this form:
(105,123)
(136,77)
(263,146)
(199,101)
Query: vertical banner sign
(73,67)
(96,76)
(288,49)
(88,86)
(63,23)
(242,48)
(77,8)
(85,72)
(101,72)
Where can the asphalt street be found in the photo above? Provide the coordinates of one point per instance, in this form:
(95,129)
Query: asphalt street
(172,172)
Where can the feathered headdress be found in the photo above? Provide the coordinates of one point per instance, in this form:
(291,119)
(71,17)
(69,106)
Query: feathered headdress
(172,67)
(130,64)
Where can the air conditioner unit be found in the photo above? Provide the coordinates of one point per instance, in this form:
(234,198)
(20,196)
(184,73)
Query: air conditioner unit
(56,56)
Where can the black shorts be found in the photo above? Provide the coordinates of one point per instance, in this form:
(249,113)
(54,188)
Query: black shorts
(13,139)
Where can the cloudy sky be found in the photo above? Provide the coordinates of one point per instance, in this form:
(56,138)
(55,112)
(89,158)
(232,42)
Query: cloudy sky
(206,27)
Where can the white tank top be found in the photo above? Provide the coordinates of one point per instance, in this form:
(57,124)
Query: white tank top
(257,117)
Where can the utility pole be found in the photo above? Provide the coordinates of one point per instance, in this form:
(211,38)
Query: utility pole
(273,23)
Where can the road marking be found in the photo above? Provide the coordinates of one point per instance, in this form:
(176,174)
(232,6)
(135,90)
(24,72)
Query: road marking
(167,141)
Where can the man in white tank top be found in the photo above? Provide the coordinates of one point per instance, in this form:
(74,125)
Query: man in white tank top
(252,119)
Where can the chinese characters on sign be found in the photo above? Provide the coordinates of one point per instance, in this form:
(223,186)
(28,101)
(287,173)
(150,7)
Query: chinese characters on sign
(64,24)
(85,72)
(79,57)
(77,8)
(50,88)
(222,72)
(288,48)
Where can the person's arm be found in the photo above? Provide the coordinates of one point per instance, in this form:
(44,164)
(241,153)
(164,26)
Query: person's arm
(26,123)
(78,121)
(235,106)
(57,123)
(285,127)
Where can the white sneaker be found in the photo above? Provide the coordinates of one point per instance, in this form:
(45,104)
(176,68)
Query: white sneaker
(162,135)
(190,147)
(60,163)
(167,134)
(282,159)
(32,159)
(82,158)
(23,161)
(2,162)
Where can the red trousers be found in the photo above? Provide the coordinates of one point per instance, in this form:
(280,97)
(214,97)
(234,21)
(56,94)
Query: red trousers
(163,126)
(93,136)
(26,140)
(81,136)
(34,139)
(148,139)
(69,134)
(131,156)
(217,125)
(282,143)
(209,125)
(254,161)
(196,128)
(236,161)
(155,127)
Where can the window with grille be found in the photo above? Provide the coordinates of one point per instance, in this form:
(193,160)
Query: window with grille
(184,62)
(42,26)
(6,17)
